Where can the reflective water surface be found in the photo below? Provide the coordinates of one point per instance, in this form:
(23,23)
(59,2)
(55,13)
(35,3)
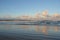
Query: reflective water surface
(29,32)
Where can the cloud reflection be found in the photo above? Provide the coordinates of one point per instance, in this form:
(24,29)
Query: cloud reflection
(46,29)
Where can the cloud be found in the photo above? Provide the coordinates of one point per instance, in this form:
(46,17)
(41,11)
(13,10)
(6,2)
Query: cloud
(56,15)
(38,16)
(8,16)
(45,13)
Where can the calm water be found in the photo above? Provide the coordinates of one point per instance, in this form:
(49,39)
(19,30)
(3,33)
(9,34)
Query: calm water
(29,32)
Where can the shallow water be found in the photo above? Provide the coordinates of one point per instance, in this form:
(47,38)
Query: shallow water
(29,32)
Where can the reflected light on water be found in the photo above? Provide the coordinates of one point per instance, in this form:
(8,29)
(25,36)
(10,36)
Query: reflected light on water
(30,31)
(37,28)
(56,29)
(45,30)
(25,27)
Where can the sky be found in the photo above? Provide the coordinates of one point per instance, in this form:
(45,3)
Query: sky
(28,7)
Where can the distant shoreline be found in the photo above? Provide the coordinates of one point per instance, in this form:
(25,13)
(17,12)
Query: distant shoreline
(25,22)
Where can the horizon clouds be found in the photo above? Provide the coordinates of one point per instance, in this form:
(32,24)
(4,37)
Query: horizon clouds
(37,16)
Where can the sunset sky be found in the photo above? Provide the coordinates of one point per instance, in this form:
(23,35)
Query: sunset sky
(28,7)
